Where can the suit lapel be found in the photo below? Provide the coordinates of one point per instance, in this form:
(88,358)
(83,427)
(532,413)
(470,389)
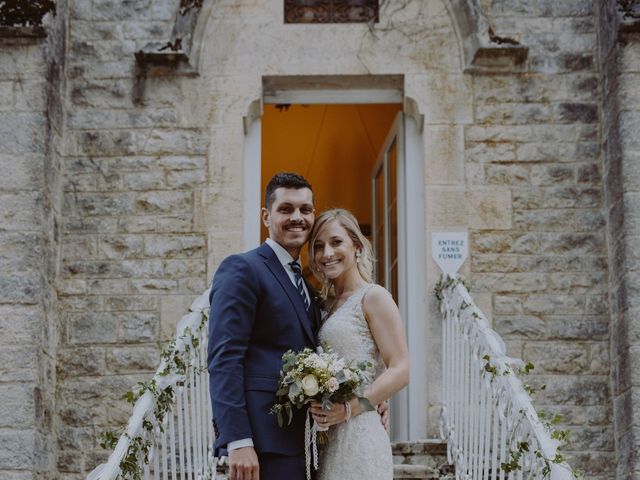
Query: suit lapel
(272,262)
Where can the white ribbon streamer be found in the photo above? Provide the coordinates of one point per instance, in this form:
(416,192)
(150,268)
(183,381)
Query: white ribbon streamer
(311,444)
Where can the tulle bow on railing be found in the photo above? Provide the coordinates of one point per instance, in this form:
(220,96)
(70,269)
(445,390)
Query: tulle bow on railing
(488,421)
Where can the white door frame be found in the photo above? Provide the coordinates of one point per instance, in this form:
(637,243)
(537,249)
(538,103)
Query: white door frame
(411,224)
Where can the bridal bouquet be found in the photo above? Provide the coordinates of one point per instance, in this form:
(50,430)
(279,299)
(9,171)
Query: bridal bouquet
(320,375)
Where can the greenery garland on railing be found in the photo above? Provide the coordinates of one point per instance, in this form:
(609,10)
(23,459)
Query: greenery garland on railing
(448,282)
(174,361)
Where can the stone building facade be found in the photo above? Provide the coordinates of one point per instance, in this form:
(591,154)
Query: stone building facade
(122,188)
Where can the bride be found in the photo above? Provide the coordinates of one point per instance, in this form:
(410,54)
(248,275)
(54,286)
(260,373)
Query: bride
(363,324)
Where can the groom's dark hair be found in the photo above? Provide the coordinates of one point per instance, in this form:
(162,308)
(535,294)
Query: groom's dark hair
(283,180)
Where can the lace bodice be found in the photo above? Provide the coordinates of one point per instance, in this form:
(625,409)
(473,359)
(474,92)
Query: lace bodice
(359,449)
(347,332)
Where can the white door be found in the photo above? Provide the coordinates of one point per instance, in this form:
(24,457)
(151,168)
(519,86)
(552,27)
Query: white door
(398,232)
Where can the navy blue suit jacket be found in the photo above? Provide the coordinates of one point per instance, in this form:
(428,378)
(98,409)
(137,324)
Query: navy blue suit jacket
(256,315)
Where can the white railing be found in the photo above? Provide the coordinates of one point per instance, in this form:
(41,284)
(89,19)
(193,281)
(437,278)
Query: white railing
(171,422)
(490,426)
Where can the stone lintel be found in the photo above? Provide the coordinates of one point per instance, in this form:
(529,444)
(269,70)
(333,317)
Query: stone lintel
(174,55)
(157,59)
(629,25)
(21,35)
(498,58)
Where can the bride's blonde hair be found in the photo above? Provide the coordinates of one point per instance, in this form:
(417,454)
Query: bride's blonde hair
(350,224)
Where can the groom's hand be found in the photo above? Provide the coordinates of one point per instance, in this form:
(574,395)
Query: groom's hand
(243,464)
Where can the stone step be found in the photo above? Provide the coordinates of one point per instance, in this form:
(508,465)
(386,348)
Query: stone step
(425,460)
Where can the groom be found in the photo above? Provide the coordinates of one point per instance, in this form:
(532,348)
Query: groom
(260,308)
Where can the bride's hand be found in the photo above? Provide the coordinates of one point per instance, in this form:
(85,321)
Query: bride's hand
(327,418)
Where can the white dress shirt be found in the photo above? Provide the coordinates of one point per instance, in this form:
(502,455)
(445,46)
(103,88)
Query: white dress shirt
(285,258)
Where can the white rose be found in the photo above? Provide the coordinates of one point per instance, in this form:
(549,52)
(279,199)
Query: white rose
(310,385)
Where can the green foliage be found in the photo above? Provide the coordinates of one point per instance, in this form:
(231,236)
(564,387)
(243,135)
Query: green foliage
(19,13)
(177,362)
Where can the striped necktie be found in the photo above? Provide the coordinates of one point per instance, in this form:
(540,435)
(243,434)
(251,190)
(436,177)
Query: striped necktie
(297,271)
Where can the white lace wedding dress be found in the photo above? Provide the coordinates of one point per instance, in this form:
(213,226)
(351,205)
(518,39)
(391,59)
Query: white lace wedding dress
(360,448)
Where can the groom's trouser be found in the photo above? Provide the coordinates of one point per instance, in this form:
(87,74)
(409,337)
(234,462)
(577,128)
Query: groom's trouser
(281,467)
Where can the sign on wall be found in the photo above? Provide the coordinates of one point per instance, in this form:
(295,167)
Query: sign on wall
(449,250)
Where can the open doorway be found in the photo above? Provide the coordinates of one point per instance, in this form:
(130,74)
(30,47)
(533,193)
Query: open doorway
(335,146)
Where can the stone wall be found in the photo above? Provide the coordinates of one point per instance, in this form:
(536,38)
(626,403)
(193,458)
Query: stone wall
(138,178)
(30,201)
(619,57)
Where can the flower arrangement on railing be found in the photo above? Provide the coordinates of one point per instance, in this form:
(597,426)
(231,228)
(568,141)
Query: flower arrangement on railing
(154,400)
(515,437)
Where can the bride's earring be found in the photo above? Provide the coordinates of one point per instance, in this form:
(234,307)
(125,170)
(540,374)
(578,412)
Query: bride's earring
(358,255)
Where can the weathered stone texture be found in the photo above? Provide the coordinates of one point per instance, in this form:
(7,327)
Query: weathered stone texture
(125,191)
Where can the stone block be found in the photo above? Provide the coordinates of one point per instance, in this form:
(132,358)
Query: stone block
(22,133)
(444,155)
(120,246)
(102,203)
(509,283)
(193,286)
(551,304)
(552,175)
(448,96)
(577,327)
(21,211)
(574,390)
(182,162)
(19,363)
(557,357)
(578,282)
(79,225)
(153,286)
(599,361)
(572,197)
(577,113)
(527,243)
(525,198)
(172,142)
(506,305)
(18,449)
(512,113)
(543,220)
(575,243)
(164,202)
(76,247)
(7,96)
(80,361)
(104,143)
(591,438)
(123,303)
(17,406)
(175,246)
(24,289)
(520,326)
(506,175)
(20,252)
(133,359)
(186,179)
(479,209)
(22,172)
(94,327)
(149,180)
(484,152)
(138,326)
(138,224)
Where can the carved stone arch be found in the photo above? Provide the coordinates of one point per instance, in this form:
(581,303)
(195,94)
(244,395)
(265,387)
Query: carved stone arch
(481,49)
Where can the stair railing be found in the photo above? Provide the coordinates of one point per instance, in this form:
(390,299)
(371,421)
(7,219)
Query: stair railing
(170,434)
(488,421)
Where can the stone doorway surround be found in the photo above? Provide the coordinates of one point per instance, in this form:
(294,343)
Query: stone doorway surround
(235,47)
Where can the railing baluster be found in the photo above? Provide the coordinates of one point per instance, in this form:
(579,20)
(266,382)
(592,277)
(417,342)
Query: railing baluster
(181,431)
(172,444)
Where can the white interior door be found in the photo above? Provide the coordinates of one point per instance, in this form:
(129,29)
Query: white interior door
(398,230)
